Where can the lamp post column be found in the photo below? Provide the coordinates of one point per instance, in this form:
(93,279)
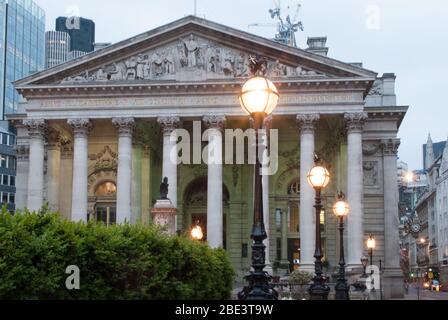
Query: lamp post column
(342,289)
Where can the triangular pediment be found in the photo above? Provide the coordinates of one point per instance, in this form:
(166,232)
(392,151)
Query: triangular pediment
(188,50)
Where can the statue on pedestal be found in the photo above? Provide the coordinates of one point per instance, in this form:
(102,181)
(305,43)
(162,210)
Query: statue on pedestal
(164,189)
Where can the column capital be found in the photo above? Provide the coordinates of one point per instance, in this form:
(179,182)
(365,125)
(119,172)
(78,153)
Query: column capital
(214,121)
(169,124)
(36,127)
(125,126)
(355,121)
(56,139)
(307,122)
(81,127)
(390,146)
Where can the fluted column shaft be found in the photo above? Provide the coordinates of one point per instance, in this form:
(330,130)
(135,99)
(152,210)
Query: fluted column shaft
(169,169)
(215,212)
(37,130)
(355,221)
(81,129)
(306,123)
(125,128)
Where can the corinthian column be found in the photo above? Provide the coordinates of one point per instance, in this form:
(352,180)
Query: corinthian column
(125,128)
(169,170)
(81,129)
(393,275)
(355,221)
(215,218)
(37,130)
(306,123)
(55,141)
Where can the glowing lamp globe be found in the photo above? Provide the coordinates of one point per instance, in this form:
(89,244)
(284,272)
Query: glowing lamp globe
(371,243)
(197,234)
(319,177)
(259,95)
(341,208)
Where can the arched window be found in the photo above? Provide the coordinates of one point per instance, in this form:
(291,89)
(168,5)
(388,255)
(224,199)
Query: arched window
(106,189)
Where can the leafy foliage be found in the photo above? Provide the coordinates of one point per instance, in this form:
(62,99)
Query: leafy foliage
(116,263)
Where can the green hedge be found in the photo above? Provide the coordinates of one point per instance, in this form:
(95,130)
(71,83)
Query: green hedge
(116,263)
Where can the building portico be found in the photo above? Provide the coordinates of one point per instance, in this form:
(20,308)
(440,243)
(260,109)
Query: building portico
(98,135)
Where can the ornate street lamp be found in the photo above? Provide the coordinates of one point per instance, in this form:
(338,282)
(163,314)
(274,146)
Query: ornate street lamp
(364,262)
(318,178)
(371,244)
(258,98)
(341,210)
(197,233)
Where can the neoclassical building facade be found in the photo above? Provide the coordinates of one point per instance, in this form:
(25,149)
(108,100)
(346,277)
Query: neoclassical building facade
(94,142)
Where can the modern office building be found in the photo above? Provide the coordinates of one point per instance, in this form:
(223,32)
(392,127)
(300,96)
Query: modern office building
(81,31)
(22,52)
(57,48)
(22,46)
(8,164)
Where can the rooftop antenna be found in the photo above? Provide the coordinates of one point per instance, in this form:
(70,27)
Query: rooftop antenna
(286,28)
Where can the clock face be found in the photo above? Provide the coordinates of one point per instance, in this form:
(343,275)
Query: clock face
(415,228)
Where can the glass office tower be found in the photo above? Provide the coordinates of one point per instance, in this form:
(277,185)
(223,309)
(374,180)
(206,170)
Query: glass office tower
(22,46)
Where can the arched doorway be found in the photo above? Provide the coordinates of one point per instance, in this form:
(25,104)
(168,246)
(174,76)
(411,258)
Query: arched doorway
(195,207)
(106,203)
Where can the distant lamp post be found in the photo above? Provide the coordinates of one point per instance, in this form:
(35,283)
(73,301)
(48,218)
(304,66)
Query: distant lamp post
(371,244)
(258,98)
(318,178)
(364,262)
(197,233)
(341,209)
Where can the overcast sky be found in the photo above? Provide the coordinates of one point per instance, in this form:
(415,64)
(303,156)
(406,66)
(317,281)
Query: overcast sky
(407,37)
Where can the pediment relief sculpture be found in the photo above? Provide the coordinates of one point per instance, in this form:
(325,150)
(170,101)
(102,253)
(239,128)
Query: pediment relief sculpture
(192,58)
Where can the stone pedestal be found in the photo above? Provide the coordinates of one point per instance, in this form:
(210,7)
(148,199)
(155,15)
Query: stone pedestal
(164,215)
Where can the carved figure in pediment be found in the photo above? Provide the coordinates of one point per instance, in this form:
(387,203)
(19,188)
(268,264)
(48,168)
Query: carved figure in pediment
(118,71)
(214,60)
(241,65)
(227,63)
(141,63)
(131,65)
(101,75)
(168,62)
(157,65)
(278,69)
(191,51)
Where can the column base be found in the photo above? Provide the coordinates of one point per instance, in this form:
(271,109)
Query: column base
(307,267)
(393,284)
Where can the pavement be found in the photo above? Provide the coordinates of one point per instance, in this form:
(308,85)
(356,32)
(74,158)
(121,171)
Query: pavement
(424,294)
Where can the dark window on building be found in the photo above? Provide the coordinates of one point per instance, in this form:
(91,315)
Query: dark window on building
(279,249)
(4,139)
(12,181)
(12,140)
(245,250)
(5,198)
(3,161)
(12,198)
(5,180)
